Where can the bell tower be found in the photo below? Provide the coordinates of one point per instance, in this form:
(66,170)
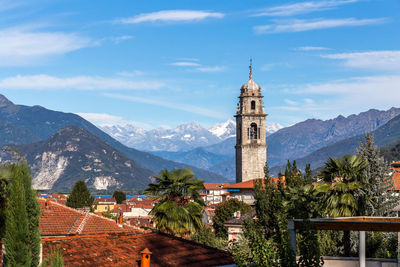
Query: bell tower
(251,148)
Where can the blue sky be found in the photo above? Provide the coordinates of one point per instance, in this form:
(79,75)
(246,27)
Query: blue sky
(163,63)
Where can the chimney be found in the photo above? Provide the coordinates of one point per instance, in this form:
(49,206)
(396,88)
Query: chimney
(46,204)
(120,219)
(238,214)
(146,254)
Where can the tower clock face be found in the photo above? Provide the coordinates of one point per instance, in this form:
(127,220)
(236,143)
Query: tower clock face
(251,148)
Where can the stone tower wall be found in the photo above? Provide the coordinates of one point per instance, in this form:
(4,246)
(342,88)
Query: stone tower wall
(251,154)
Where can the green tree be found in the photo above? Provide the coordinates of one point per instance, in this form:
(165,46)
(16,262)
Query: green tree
(80,196)
(224,212)
(308,174)
(293,177)
(379,178)
(119,196)
(33,211)
(207,237)
(268,236)
(343,194)
(18,251)
(55,258)
(5,177)
(180,205)
(310,254)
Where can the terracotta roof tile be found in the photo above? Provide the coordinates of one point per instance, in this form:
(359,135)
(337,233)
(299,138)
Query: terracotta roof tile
(250,184)
(214,186)
(396,179)
(124,250)
(60,220)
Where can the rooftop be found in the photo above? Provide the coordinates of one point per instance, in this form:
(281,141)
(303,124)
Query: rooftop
(60,220)
(211,186)
(124,250)
(250,184)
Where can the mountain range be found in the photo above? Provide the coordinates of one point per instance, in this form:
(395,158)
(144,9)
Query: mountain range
(59,154)
(386,137)
(26,125)
(182,138)
(295,142)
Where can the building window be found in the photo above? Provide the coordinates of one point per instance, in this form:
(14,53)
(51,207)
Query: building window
(253,105)
(253,131)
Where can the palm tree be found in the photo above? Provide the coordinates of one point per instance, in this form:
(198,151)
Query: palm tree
(180,205)
(343,193)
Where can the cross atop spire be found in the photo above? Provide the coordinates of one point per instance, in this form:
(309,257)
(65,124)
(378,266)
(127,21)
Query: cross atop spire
(251,71)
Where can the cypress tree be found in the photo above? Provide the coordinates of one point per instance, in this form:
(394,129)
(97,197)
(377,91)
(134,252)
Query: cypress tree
(18,251)
(379,181)
(80,196)
(308,174)
(4,183)
(33,211)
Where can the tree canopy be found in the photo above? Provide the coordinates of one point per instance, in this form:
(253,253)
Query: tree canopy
(80,196)
(119,196)
(224,212)
(180,206)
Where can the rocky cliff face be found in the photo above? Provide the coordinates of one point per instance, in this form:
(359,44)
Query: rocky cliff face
(75,154)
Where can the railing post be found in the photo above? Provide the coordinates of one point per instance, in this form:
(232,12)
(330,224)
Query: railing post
(292,233)
(361,249)
(398,249)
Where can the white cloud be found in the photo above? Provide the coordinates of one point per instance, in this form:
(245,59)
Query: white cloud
(133,73)
(21,47)
(103,118)
(302,8)
(122,38)
(47,82)
(377,60)
(370,86)
(211,69)
(342,97)
(290,102)
(314,24)
(311,48)
(171,16)
(185,64)
(168,104)
(8,4)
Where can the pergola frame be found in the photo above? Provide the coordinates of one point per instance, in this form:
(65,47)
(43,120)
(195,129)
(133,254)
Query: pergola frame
(360,224)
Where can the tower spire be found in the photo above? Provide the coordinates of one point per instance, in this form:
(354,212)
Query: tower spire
(251,71)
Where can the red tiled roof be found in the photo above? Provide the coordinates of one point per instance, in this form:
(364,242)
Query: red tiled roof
(214,186)
(396,179)
(250,184)
(105,200)
(61,220)
(124,250)
(396,164)
(121,208)
(140,200)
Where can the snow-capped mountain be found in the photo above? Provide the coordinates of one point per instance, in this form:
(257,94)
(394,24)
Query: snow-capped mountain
(182,138)
(273,127)
(224,130)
